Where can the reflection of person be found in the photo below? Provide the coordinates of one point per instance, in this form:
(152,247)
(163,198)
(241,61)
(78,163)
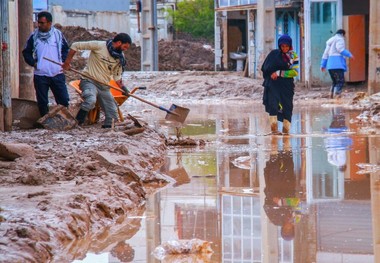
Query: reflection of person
(123,252)
(47,41)
(333,59)
(282,205)
(336,147)
(279,69)
(106,62)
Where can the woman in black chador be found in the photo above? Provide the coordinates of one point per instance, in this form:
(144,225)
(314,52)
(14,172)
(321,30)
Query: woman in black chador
(279,69)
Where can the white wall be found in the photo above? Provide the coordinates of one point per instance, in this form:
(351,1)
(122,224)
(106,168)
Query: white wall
(125,22)
(110,21)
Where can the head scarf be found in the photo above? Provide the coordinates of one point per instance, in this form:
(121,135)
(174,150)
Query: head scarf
(44,36)
(285,39)
(116,54)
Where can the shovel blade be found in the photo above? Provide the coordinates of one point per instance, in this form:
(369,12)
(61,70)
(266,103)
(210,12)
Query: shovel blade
(178,113)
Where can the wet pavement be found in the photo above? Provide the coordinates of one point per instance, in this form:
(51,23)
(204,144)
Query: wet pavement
(313,196)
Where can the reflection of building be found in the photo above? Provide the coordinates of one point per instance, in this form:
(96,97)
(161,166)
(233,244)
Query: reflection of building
(247,220)
(226,207)
(337,222)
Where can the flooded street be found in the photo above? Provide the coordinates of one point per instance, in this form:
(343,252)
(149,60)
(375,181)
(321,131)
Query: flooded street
(312,196)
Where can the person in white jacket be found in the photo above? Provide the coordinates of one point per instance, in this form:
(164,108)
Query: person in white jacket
(334,60)
(337,146)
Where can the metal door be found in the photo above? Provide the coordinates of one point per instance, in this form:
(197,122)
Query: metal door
(287,22)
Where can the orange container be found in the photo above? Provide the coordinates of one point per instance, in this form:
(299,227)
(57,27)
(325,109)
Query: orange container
(93,115)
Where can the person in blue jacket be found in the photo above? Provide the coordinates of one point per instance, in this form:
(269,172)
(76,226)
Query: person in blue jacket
(334,60)
(47,41)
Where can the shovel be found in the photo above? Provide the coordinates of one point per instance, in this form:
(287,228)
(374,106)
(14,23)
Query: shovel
(175,113)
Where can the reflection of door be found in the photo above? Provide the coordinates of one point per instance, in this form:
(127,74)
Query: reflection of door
(323,25)
(355,42)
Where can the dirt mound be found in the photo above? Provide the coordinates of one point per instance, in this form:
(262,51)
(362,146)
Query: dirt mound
(177,55)
(182,55)
(77,33)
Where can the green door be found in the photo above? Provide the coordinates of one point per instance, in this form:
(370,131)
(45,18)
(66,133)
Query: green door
(323,23)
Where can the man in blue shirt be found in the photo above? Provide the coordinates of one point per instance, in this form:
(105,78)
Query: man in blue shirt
(47,41)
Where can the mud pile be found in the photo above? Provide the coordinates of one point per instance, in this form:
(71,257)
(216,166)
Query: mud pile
(59,198)
(177,55)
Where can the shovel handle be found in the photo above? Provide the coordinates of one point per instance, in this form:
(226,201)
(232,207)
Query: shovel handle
(84,75)
(112,87)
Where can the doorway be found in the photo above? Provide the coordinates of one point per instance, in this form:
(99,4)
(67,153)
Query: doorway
(237,39)
(323,25)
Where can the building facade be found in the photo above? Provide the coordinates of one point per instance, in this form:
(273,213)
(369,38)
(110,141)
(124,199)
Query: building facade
(309,22)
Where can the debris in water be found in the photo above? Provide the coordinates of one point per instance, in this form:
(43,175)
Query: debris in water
(177,249)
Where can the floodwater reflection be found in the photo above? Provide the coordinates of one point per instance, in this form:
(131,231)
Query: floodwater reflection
(299,198)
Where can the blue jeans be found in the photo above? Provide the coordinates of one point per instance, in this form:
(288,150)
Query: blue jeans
(91,92)
(57,84)
(337,77)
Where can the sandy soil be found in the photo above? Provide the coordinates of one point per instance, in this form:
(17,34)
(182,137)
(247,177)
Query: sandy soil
(66,192)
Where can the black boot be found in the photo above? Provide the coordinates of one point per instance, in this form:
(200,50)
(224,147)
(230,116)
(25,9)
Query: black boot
(81,116)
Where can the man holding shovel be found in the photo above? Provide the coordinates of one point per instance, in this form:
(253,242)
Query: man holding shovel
(106,62)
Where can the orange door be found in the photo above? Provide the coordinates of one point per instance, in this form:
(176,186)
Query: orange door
(355,42)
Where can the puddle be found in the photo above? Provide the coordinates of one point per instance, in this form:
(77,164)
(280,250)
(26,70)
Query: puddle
(313,196)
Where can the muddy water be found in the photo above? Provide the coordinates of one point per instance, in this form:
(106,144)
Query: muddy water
(313,196)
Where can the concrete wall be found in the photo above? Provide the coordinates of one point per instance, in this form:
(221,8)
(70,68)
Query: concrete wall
(374,49)
(110,21)
(14,49)
(114,21)
(91,5)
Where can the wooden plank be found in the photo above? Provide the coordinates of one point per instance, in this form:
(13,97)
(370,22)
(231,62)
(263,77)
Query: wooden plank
(225,44)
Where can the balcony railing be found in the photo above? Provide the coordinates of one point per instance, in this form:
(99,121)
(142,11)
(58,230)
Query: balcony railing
(227,3)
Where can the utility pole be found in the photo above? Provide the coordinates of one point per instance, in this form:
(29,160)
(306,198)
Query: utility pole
(25,27)
(149,41)
(374,47)
(5,94)
(266,31)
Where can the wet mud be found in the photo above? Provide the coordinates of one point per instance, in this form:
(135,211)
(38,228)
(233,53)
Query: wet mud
(86,189)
